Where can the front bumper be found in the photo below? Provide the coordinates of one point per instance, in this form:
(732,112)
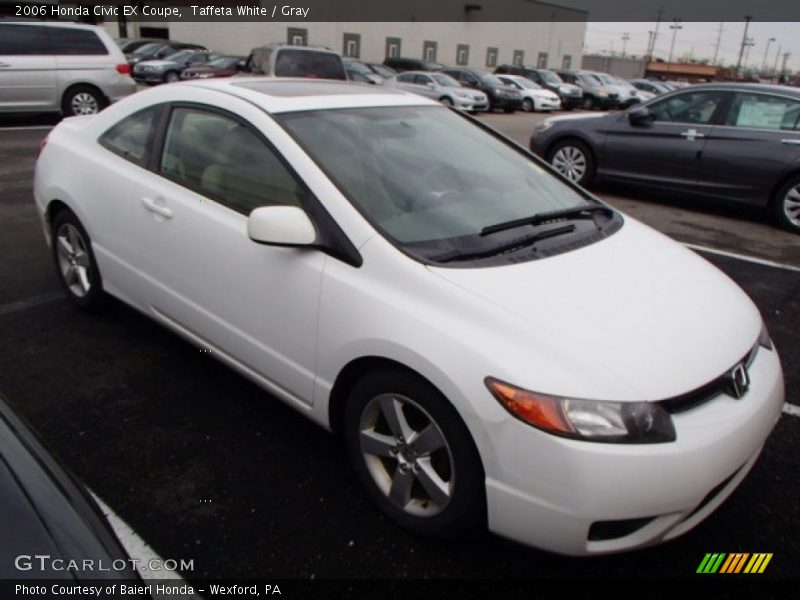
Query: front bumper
(547,104)
(547,491)
(571,101)
(470,104)
(507,103)
(149,77)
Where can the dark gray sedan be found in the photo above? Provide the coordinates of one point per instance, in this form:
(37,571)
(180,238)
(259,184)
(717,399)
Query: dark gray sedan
(734,142)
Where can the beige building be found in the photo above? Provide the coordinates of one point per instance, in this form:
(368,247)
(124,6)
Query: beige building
(473,44)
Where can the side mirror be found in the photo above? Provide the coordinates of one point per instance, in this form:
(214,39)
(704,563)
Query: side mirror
(281,226)
(640,116)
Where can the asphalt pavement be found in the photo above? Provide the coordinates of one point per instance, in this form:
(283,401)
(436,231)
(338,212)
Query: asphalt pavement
(206,466)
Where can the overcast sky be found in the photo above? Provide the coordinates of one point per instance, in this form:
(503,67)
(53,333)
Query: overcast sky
(699,39)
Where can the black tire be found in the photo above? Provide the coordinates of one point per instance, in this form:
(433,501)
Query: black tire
(509,111)
(528,105)
(82,100)
(786,205)
(588,103)
(465,510)
(172,77)
(569,145)
(568,107)
(95,298)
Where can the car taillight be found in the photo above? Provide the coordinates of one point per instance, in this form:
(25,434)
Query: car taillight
(123,69)
(42,145)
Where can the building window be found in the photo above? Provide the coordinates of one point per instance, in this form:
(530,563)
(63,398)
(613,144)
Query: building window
(462,55)
(352,45)
(519,57)
(491,57)
(541,62)
(297,36)
(429,50)
(393,47)
(566,63)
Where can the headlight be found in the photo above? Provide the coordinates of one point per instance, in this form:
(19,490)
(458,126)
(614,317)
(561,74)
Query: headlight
(500,92)
(588,420)
(602,93)
(764,340)
(461,94)
(543,126)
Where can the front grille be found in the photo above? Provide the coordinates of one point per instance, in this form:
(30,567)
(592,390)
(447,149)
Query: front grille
(720,385)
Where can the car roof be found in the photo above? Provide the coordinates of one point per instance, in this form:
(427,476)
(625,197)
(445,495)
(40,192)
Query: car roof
(279,95)
(786,90)
(56,24)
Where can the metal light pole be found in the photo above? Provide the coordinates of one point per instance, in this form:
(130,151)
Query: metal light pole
(675,27)
(625,37)
(747,19)
(775,66)
(749,44)
(766,50)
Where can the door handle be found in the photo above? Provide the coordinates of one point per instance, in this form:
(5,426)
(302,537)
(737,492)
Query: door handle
(151,205)
(692,135)
(4,65)
(794,142)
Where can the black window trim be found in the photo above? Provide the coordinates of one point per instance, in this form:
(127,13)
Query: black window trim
(330,238)
(151,137)
(720,111)
(796,128)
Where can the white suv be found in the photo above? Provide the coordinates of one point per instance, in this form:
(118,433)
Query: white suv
(67,67)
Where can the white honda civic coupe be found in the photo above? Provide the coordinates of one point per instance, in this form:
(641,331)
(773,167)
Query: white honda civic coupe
(494,344)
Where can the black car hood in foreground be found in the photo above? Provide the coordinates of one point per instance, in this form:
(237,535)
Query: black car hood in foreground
(44,511)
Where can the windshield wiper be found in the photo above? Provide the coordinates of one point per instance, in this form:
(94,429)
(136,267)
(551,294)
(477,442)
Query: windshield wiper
(554,215)
(521,242)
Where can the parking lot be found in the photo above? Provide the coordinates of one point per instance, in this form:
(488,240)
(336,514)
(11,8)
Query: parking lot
(206,466)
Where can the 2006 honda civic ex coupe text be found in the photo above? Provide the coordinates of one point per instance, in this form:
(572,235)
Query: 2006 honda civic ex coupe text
(493,343)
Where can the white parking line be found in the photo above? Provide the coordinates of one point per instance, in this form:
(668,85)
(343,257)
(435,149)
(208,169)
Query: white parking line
(139,550)
(744,257)
(26,128)
(791,409)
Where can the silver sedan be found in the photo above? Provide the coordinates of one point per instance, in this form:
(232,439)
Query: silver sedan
(441,87)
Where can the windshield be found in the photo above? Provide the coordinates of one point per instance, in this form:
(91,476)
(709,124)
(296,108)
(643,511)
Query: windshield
(179,56)
(526,83)
(147,48)
(383,71)
(428,178)
(550,77)
(443,79)
(225,62)
(309,63)
(489,80)
(607,79)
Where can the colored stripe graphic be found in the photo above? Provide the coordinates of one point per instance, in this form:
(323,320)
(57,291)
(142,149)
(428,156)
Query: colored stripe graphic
(721,562)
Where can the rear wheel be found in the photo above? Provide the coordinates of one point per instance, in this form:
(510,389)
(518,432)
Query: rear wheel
(528,105)
(75,262)
(82,100)
(574,160)
(413,454)
(787,205)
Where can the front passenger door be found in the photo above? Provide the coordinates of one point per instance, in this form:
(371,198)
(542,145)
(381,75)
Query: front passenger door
(664,153)
(254,305)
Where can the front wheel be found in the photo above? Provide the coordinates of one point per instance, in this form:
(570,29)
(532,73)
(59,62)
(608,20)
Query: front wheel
(574,160)
(171,77)
(447,101)
(588,103)
(75,262)
(787,205)
(528,105)
(414,455)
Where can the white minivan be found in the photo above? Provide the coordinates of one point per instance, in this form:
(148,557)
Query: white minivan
(68,67)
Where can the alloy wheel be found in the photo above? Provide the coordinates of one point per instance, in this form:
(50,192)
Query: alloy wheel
(570,162)
(73,260)
(407,455)
(84,103)
(527,105)
(791,206)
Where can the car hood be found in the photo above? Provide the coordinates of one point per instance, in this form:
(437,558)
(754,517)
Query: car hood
(542,94)
(566,88)
(578,117)
(633,317)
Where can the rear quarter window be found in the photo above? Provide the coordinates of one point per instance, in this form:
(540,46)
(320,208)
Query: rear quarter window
(132,137)
(76,42)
